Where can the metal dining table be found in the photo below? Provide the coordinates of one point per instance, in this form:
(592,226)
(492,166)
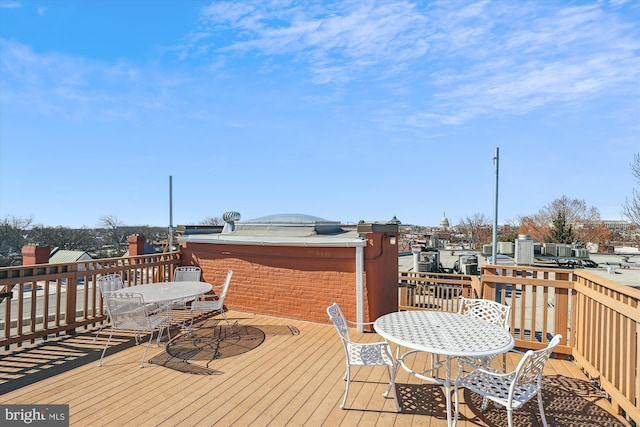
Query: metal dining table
(166,292)
(442,333)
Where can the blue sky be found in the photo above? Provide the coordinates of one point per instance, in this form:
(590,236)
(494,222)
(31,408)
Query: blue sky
(346,110)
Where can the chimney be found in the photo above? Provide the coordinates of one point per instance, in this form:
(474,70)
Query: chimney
(136,244)
(35,254)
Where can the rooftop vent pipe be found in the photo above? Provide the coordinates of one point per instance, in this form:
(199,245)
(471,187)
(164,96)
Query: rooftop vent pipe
(230,218)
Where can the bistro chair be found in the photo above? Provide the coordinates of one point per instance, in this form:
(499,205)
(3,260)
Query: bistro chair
(491,311)
(212,302)
(108,283)
(128,312)
(513,389)
(362,354)
(188,273)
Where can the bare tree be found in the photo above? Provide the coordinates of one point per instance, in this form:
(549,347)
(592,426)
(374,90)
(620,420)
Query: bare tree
(64,237)
(585,221)
(212,220)
(13,233)
(476,227)
(115,233)
(631,207)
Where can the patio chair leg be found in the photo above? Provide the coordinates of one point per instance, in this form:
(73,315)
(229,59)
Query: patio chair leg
(145,350)
(392,378)
(105,348)
(541,408)
(347,377)
(97,334)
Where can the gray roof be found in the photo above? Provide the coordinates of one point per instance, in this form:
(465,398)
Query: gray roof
(281,230)
(61,256)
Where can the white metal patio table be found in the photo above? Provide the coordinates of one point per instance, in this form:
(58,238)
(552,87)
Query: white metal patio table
(166,292)
(448,334)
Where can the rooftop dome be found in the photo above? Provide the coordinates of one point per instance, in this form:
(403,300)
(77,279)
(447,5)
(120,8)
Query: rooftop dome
(290,223)
(444,222)
(289,218)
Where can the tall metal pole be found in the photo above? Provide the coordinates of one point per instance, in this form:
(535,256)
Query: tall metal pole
(494,246)
(170,213)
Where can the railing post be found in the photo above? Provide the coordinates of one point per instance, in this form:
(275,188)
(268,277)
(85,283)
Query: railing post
(561,311)
(72,293)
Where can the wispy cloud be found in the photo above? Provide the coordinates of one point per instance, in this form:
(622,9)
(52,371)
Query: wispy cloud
(10,4)
(57,84)
(483,57)
(428,63)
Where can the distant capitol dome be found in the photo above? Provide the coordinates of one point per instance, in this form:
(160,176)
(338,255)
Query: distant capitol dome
(444,222)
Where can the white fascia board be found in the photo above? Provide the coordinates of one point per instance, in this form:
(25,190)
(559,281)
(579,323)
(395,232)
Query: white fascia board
(326,242)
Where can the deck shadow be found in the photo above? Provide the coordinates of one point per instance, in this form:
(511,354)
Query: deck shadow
(568,402)
(26,366)
(214,340)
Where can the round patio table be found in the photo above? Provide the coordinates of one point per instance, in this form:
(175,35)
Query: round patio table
(448,334)
(168,291)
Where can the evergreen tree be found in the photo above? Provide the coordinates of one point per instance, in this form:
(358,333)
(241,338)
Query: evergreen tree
(560,232)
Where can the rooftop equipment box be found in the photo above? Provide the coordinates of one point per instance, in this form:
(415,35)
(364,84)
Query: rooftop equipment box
(524,251)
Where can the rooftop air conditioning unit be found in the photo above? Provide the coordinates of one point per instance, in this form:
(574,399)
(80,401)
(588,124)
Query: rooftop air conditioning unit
(581,253)
(537,248)
(524,250)
(505,248)
(564,249)
(550,249)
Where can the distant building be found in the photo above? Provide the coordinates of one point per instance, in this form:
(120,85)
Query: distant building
(61,256)
(444,222)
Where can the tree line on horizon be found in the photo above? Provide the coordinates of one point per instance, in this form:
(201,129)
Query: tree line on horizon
(564,220)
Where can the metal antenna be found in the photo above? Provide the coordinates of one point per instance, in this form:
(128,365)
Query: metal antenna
(494,248)
(170,213)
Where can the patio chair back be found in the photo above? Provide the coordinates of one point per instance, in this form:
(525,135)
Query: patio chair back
(110,283)
(128,312)
(529,370)
(187,273)
(491,311)
(340,322)
(214,303)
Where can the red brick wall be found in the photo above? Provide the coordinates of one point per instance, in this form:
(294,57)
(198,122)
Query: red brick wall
(381,269)
(300,282)
(32,254)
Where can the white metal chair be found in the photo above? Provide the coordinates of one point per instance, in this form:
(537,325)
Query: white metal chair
(128,312)
(188,273)
(362,354)
(185,273)
(513,389)
(491,311)
(108,283)
(213,302)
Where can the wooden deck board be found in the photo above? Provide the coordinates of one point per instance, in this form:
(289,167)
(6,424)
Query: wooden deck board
(289,380)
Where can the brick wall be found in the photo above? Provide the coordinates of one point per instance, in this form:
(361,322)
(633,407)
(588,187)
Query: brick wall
(300,282)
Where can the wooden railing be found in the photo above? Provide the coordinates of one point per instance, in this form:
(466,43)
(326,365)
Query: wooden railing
(598,318)
(54,299)
(435,291)
(607,338)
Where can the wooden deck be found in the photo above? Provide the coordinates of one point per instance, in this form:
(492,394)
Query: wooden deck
(292,378)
